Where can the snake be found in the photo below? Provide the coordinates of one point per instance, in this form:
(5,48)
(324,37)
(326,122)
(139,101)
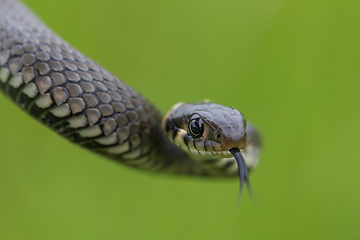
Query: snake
(85,103)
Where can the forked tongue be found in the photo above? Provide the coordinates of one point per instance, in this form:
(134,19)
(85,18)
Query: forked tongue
(242,169)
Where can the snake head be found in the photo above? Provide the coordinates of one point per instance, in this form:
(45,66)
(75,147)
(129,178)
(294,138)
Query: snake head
(209,131)
(206,129)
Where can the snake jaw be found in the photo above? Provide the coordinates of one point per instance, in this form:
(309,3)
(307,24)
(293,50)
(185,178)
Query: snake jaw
(242,169)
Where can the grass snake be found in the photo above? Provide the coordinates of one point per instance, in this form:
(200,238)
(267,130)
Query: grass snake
(82,101)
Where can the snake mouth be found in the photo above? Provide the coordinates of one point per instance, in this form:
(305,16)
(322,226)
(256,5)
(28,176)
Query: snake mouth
(242,169)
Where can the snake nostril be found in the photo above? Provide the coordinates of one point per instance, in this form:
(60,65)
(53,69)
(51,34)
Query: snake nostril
(218,136)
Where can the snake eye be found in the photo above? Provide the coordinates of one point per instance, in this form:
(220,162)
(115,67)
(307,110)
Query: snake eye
(196,127)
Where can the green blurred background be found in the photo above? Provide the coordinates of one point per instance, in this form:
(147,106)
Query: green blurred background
(292,67)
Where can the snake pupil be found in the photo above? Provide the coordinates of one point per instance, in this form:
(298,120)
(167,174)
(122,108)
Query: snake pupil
(196,129)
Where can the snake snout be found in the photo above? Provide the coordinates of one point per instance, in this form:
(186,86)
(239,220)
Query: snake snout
(236,140)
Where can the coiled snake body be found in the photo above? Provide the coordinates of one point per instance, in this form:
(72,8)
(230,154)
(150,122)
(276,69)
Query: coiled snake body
(88,105)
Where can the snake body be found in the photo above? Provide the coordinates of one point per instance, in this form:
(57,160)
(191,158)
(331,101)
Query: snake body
(82,101)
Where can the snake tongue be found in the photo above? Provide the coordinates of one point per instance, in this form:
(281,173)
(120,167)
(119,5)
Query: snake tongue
(242,169)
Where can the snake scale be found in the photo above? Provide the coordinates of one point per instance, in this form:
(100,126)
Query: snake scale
(85,103)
